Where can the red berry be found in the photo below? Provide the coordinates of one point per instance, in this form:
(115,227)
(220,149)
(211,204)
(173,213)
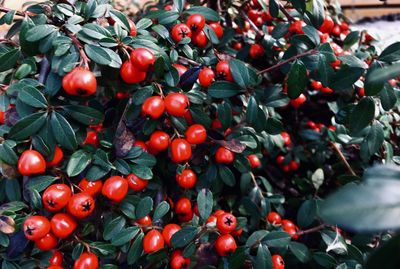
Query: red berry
(131,74)
(159,140)
(200,39)
(206,77)
(180,31)
(142,58)
(256,51)
(87,261)
(327,25)
(62,225)
(91,187)
(187,179)
(183,209)
(226,223)
(176,104)
(153,241)
(31,162)
(57,157)
(196,134)
(223,70)
(56,197)
(277,262)
(154,107)
(196,22)
(36,227)
(316,85)
(135,183)
(47,242)
(81,205)
(223,155)
(181,150)
(219,31)
(274,218)
(80,81)
(225,244)
(296,103)
(115,188)
(177,261)
(168,231)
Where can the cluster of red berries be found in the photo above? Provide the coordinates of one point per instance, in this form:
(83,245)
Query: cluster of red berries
(222,71)
(135,69)
(194,29)
(287,225)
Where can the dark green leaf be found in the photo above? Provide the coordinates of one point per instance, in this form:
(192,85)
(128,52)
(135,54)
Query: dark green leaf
(252,111)
(161,210)
(84,114)
(144,207)
(208,13)
(78,162)
(205,203)
(351,39)
(362,115)
(391,53)
(300,251)
(226,175)
(223,89)
(39,32)
(263,258)
(277,239)
(297,79)
(124,236)
(113,227)
(33,97)
(9,59)
(136,249)
(28,126)
(98,54)
(184,236)
(240,73)
(62,131)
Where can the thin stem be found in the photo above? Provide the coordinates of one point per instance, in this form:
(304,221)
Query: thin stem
(9,41)
(342,158)
(187,60)
(84,59)
(18,13)
(255,28)
(284,11)
(253,178)
(309,52)
(312,230)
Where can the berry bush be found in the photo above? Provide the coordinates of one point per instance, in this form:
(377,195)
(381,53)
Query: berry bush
(198,134)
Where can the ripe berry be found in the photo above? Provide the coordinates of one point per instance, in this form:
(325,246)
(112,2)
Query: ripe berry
(196,134)
(80,81)
(2,117)
(159,140)
(280,159)
(135,183)
(142,58)
(316,85)
(131,74)
(336,30)
(31,162)
(196,22)
(91,187)
(219,31)
(81,205)
(223,155)
(274,218)
(56,197)
(206,77)
(181,150)
(177,261)
(115,188)
(56,258)
(140,144)
(294,165)
(327,26)
(297,27)
(145,221)
(176,104)
(181,69)
(62,225)
(180,31)
(254,161)
(168,231)
(154,107)
(200,39)
(277,262)
(327,90)
(223,70)
(153,241)
(187,179)
(296,103)
(225,244)
(226,223)
(87,260)
(256,51)
(57,157)
(47,242)
(183,209)
(91,139)
(286,138)
(36,227)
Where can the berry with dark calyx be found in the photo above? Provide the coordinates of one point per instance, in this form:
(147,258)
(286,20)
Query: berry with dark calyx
(178,261)
(196,22)
(80,81)
(81,205)
(180,31)
(223,71)
(36,227)
(56,197)
(226,223)
(225,244)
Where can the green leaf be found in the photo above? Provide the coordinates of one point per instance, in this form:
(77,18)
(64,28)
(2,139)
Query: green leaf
(33,97)
(172,77)
(39,32)
(124,236)
(240,73)
(208,13)
(380,75)
(223,89)
(103,248)
(374,139)
(391,53)
(143,24)
(307,213)
(225,115)
(7,154)
(273,8)
(161,210)
(351,39)
(226,175)
(205,203)
(136,249)
(28,126)
(84,114)
(13,190)
(297,79)
(184,236)
(372,86)
(120,18)
(277,239)
(375,207)
(362,115)
(113,227)
(345,78)
(144,207)
(252,111)
(9,59)
(98,54)
(256,237)
(300,251)
(78,162)
(40,183)
(62,131)
(179,4)
(388,97)
(263,258)
(168,17)
(141,171)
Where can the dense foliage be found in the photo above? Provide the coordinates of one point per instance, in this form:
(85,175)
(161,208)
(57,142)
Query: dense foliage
(196,135)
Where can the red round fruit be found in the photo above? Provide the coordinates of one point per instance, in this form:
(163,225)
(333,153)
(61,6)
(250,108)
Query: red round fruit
(62,225)
(87,260)
(294,165)
(55,267)
(56,258)
(296,27)
(274,218)
(56,197)
(256,51)
(2,117)
(154,107)
(36,227)
(327,26)
(115,188)
(181,69)
(131,74)
(135,183)
(140,144)
(196,134)
(223,70)
(196,22)
(176,104)
(327,90)
(57,157)
(168,231)
(47,242)
(286,138)
(80,81)
(81,205)
(296,103)
(177,261)
(287,224)
(206,77)
(91,187)
(183,208)
(226,223)
(219,31)
(181,150)
(91,139)
(336,30)
(254,161)
(277,262)
(142,58)
(223,155)
(153,241)
(187,179)
(159,140)
(145,221)
(200,39)
(180,31)
(280,159)
(31,162)
(225,244)
(316,85)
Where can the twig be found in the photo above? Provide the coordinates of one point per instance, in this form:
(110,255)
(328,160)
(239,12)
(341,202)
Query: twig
(342,158)
(187,60)
(255,28)
(312,230)
(84,59)
(309,52)
(253,178)
(9,41)
(18,13)
(284,11)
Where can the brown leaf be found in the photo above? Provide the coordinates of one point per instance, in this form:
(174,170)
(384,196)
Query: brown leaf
(233,145)
(7,224)
(8,171)
(124,140)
